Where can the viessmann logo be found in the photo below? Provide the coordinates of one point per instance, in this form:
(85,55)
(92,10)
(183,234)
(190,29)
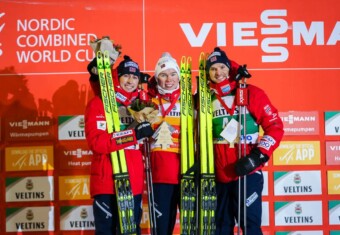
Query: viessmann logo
(291,119)
(333,152)
(25,124)
(300,123)
(79,153)
(275,30)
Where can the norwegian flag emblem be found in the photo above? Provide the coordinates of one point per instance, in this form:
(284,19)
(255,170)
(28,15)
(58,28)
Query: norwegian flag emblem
(268,110)
(132,69)
(212,59)
(225,88)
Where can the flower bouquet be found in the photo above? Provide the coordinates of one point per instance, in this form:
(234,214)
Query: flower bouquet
(144,111)
(106,44)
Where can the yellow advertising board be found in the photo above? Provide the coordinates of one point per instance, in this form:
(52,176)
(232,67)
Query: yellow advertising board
(29,158)
(297,153)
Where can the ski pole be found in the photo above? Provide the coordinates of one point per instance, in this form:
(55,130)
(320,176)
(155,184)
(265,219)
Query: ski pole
(151,202)
(242,102)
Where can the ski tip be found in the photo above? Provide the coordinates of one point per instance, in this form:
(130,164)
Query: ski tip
(106,54)
(202,55)
(99,54)
(183,59)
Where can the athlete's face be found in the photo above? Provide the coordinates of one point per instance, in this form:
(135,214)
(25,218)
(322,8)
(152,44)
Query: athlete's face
(168,79)
(128,82)
(218,72)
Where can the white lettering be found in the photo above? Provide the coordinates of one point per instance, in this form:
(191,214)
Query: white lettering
(279,53)
(303,154)
(43,56)
(196,41)
(240,34)
(274,48)
(45,24)
(335,36)
(301,31)
(281,25)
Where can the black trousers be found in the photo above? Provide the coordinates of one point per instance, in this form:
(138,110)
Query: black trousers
(167,201)
(105,212)
(227,205)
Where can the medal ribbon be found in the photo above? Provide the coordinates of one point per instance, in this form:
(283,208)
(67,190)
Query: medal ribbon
(229,110)
(173,102)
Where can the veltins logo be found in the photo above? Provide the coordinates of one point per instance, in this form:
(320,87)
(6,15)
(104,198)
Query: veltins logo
(71,127)
(24,189)
(298,213)
(76,218)
(297,153)
(334,212)
(29,158)
(74,187)
(28,219)
(297,183)
(333,182)
(332,123)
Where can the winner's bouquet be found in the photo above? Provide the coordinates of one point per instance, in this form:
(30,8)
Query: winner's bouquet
(106,44)
(144,111)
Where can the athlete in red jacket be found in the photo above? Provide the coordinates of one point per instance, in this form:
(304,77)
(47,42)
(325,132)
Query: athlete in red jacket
(126,79)
(228,167)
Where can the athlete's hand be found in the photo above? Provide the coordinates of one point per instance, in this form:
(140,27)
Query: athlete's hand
(143,130)
(249,163)
(242,72)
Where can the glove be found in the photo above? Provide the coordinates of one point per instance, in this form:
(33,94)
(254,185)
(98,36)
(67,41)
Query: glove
(92,69)
(144,77)
(143,130)
(249,163)
(242,72)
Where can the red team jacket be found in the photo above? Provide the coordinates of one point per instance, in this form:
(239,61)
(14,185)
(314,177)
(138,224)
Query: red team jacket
(101,144)
(263,114)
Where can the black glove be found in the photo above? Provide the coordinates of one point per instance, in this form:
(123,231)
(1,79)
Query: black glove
(144,77)
(242,72)
(92,69)
(143,130)
(249,163)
